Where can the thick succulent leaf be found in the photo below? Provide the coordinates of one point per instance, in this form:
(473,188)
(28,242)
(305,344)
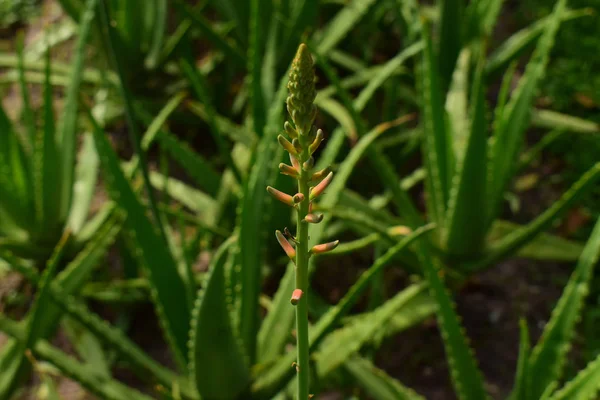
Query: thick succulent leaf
(67,130)
(168,288)
(466,223)
(338,346)
(508,135)
(218,362)
(437,148)
(105,388)
(544,246)
(523,377)
(451,36)
(555,120)
(193,163)
(518,238)
(377,383)
(481,17)
(512,48)
(457,104)
(466,377)
(585,385)
(549,356)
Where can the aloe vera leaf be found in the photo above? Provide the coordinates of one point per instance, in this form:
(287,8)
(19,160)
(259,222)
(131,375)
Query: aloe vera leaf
(548,357)
(451,37)
(481,17)
(518,238)
(117,58)
(341,115)
(339,345)
(67,130)
(220,42)
(466,227)
(219,364)
(523,376)
(512,48)
(457,104)
(544,246)
(237,12)
(377,383)
(555,120)
(28,115)
(277,376)
(168,288)
(585,385)
(508,135)
(466,376)
(157,33)
(194,164)
(86,174)
(87,346)
(253,244)
(69,367)
(437,146)
(255,55)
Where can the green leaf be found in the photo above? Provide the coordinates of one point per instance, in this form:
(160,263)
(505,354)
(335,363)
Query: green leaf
(584,386)
(466,377)
(28,114)
(194,164)
(218,362)
(466,216)
(257,100)
(168,288)
(549,356)
(523,377)
(437,146)
(508,135)
(450,42)
(338,346)
(377,383)
(555,120)
(67,132)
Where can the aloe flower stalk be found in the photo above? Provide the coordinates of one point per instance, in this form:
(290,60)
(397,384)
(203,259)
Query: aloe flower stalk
(304,139)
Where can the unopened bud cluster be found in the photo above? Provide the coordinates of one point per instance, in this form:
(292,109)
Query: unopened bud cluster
(301,140)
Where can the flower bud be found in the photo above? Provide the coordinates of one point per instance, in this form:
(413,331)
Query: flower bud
(288,170)
(282,197)
(315,144)
(313,218)
(296,296)
(320,188)
(285,245)
(324,248)
(298,198)
(287,146)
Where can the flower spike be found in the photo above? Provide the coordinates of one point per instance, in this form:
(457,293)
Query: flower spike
(285,245)
(324,248)
(282,197)
(320,188)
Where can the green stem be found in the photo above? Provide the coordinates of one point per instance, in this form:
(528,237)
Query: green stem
(302,282)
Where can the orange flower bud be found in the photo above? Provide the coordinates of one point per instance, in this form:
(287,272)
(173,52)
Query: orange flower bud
(296,296)
(313,218)
(318,176)
(287,146)
(285,245)
(315,144)
(298,198)
(324,248)
(320,188)
(289,129)
(282,197)
(288,170)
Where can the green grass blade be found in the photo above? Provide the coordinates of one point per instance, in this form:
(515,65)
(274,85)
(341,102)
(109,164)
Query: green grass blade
(451,36)
(437,146)
(466,377)
(549,356)
(508,136)
(377,383)
(520,391)
(158,33)
(466,216)
(218,362)
(67,131)
(168,288)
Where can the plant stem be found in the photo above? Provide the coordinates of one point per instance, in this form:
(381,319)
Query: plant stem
(302,282)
